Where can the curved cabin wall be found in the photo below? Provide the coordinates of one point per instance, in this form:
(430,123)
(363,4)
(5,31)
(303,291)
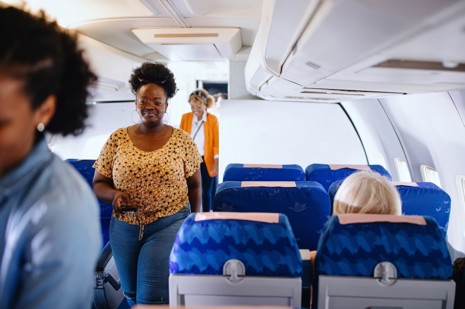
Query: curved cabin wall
(429,130)
(432,133)
(113,68)
(277,132)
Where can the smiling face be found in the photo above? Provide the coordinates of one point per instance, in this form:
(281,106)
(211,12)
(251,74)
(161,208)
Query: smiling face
(197,107)
(17,124)
(151,104)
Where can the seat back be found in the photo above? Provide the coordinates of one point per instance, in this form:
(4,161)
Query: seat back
(305,203)
(263,172)
(418,198)
(425,199)
(326,174)
(84,167)
(374,260)
(107,290)
(235,259)
(332,190)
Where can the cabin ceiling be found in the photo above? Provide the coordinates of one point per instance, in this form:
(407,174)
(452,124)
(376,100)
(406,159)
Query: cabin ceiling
(307,50)
(162,30)
(342,50)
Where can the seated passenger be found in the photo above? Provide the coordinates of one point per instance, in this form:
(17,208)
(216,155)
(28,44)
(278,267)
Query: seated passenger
(367,192)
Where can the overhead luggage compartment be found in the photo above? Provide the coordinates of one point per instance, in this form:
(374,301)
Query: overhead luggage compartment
(113,68)
(333,50)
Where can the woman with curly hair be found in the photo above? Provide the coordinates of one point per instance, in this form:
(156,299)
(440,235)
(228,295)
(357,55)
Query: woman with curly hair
(49,217)
(150,173)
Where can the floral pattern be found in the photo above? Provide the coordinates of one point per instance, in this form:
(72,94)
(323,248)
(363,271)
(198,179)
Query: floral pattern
(155,180)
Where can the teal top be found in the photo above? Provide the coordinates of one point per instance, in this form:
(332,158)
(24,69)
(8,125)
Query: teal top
(50,235)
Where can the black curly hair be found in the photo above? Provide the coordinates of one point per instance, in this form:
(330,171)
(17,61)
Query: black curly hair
(47,58)
(153,73)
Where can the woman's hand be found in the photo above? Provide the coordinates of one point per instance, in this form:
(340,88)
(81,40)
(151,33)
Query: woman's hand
(120,200)
(215,168)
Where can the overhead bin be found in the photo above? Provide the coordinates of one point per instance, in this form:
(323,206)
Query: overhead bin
(200,44)
(113,68)
(349,49)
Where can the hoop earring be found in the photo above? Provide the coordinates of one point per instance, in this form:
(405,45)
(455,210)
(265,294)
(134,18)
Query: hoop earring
(40,127)
(132,117)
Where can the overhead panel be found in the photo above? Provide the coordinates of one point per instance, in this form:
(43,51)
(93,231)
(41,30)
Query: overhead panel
(195,44)
(432,59)
(358,49)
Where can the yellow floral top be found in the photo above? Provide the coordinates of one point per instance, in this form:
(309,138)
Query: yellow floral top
(154,180)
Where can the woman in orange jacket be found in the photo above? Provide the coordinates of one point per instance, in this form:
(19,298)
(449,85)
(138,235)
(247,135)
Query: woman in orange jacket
(203,128)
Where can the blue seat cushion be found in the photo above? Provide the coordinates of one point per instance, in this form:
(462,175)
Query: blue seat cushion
(266,249)
(426,199)
(417,251)
(84,167)
(306,205)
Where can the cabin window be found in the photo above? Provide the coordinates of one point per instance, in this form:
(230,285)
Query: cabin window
(428,173)
(402,169)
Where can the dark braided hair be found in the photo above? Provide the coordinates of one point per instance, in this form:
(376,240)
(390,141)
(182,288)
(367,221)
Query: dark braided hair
(47,58)
(153,73)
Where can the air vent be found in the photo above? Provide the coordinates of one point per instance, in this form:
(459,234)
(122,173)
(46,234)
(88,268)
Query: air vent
(185,35)
(448,66)
(313,99)
(195,44)
(332,93)
(344,92)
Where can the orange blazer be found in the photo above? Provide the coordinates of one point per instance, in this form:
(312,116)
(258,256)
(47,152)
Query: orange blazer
(212,140)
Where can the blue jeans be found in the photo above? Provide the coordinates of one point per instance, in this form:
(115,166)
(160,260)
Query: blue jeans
(143,265)
(208,188)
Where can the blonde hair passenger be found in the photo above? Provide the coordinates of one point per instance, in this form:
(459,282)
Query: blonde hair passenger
(367,192)
(202,97)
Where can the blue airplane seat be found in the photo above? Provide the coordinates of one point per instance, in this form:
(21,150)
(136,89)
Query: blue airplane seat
(332,190)
(305,203)
(425,199)
(368,261)
(418,198)
(263,172)
(84,167)
(326,174)
(107,290)
(222,258)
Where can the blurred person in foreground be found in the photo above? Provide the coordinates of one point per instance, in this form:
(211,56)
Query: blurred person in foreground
(49,219)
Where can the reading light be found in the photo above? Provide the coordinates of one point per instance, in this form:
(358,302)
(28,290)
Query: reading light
(450,64)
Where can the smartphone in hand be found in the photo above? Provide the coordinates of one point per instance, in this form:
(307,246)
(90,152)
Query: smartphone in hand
(128,209)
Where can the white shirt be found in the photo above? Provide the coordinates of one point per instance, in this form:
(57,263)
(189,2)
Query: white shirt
(197,125)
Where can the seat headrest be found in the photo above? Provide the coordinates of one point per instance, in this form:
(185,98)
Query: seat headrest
(265,248)
(305,203)
(84,167)
(416,247)
(326,174)
(245,216)
(425,199)
(263,172)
